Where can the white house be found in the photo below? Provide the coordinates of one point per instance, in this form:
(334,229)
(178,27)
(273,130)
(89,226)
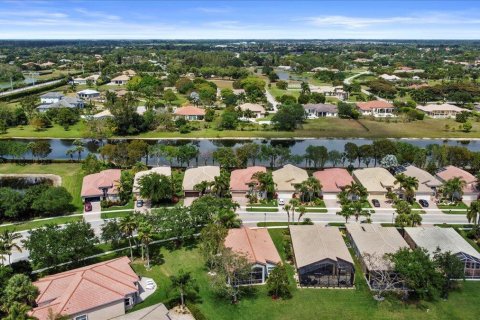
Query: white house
(317,110)
(51,97)
(88,94)
(376,108)
(391,78)
(441,111)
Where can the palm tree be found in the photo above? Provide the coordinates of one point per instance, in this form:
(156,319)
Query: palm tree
(294,204)
(347,211)
(301,212)
(70,152)
(287,208)
(17,311)
(183,282)
(221,184)
(145,231)
(265,182)
(8,243)
(128,225)
(305,87)
(356,191)
(473,213)
(408,184)
(203,187)
(453,188)
(314,187)
(79,147)
(228,218)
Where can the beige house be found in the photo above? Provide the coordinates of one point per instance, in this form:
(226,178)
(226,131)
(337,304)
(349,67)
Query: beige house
(446,239)
(97,292)
(427,183)
(372,239)
(377,180)
(321,256)
(120,80)
(165,171)
(441,111)
(194,176)
(286,178)
(257,109)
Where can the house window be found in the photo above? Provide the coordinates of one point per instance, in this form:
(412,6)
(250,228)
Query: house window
(82,317)
(128,302)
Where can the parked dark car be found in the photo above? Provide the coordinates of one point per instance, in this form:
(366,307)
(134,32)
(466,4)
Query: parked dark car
(139,203)
(88,207)
(423,203)
(376,203)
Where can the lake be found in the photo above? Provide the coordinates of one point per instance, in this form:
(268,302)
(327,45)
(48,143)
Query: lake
(207,146)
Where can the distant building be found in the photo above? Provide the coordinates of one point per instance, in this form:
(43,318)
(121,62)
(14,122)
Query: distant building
(470,191)
(320,110)
(194,176)
(51,97)
(377,180)
(286,178)
(376,108)
(391,78)
(333,181)
(56,100)
(257,109)
(190,113)
(120,80)
(88,94)
(441,111)
(427,183)
(243,184)
(165,171)
(83,81)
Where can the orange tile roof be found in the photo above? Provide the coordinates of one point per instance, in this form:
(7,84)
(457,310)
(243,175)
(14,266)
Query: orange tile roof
(450,172)
(375,104)
(333,179)
(239,179)
(255,244)
(189,111)
(82,289)
(93,183)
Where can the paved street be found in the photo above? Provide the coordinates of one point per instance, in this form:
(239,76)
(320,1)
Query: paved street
(6,93)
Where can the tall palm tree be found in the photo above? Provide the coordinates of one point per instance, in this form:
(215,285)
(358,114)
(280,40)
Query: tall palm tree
(473,213)
(453,188)
(79,148)
(145,232)
(70,153)
(356,191)
(314,187)
(265,182)
(408,185)
(294,203)
(203,187)
(183,282)
(221,184)
(8,243)
(128,225)
(301,212)
(287,208)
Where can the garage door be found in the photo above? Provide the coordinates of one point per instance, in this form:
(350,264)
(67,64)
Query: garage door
(285,195)
(423,196)
(93,199)
(330,196)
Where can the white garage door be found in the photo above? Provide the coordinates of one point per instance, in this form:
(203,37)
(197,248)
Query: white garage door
(423,196)
(329,196)
(285,195)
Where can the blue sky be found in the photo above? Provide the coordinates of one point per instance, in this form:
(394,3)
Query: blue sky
(97,19)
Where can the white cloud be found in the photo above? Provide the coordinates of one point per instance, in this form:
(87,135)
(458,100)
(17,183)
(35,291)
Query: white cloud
(97,14)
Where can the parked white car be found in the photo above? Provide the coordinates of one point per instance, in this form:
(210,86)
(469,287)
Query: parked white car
(281,202)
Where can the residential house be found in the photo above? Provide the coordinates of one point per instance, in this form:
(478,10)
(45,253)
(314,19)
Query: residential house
(333,181)
(120,80)
(321,256)
(156,312)
(374,240)
(470,191)
(427,183)
(376,180)
(51,97)
(97,292)
(391,78)
(83,81)
(64,102)
(101,186)
(441,111)
(317,110)
(286,178)
(129,72)
(242,184)
(376,108)
(165,171)
(190,113)
(88,94)
(446,239)
(257,110)
(258,248)
(194,176)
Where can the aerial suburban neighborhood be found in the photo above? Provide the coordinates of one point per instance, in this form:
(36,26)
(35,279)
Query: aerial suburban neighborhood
(181,160)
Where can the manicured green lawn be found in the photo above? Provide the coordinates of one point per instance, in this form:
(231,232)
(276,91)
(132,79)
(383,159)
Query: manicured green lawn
(27,225)
(112,215)
(459,205)
(129,205)
(306,303)
(71,173)
(265,203)
(56,131)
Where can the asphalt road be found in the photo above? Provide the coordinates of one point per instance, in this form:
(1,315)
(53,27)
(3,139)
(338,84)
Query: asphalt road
(6,93)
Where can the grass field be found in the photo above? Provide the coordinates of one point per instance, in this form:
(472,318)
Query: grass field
(305,303)
(447,208)
(71,174)
(317,128)
(27,225)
